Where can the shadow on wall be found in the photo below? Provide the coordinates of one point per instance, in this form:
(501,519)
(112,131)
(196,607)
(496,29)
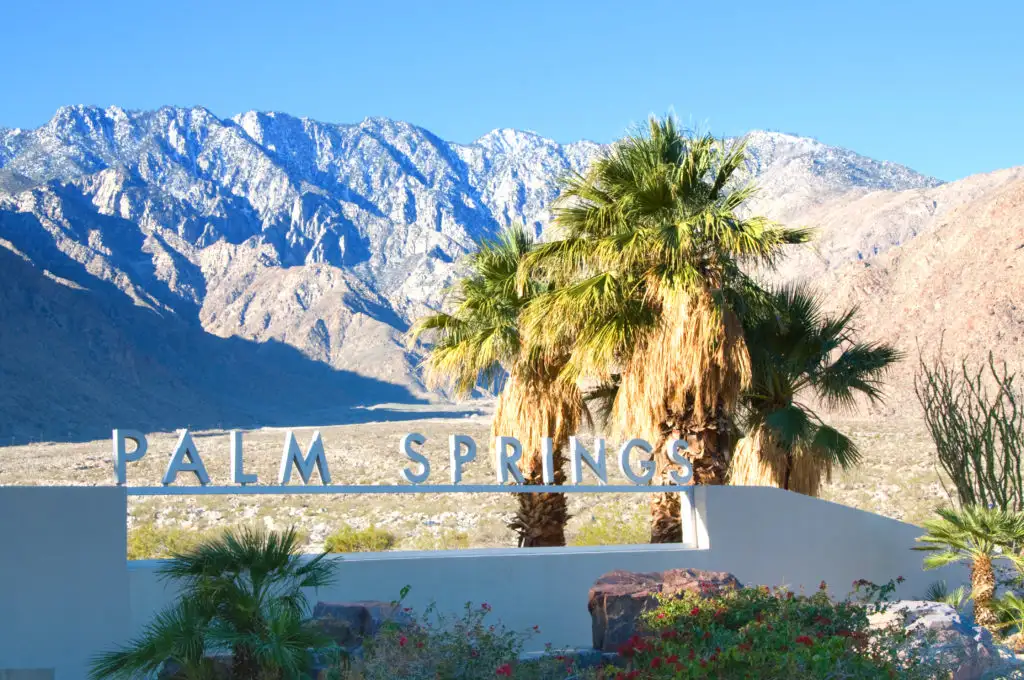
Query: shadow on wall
(74,363)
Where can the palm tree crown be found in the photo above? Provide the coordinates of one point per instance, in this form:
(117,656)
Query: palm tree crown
(798,351)
(480,338)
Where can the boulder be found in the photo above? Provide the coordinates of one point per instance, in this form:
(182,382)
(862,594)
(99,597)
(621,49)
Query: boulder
(618,598)
(348,623)
(969,649)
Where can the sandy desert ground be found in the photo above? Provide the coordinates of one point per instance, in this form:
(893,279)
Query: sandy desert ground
(897,478)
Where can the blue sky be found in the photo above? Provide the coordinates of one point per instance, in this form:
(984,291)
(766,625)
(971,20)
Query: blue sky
(937,85)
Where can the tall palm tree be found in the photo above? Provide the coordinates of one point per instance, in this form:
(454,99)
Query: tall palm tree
(649,287)
(241,591)
(978,536)
(481,340)
(797,350)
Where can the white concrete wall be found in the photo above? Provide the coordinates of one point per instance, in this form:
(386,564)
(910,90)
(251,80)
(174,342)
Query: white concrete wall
(62,577)
(762,535)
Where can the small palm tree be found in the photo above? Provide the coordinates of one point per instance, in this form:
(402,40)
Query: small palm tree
(978,536)
(242,591)
(178,635)
(649,287)
(481,340)
(797,351)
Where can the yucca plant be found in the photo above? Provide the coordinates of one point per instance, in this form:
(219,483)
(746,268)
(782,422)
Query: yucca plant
(977,536)
(798,351)
(648,286)
(480,340)
(241,591)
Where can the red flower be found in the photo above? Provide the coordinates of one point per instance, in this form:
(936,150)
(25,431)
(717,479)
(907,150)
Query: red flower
(536,629)
(805,640)
(504,669)
(656,662)
(486,607)
(900,579)
(402,640)
(692,655)
(661,615)
(669,635)
(695,611)
(672,659)
(419,645)
(822,586)
(707,635)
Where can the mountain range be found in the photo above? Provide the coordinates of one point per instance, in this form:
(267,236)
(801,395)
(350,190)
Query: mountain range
(169,267)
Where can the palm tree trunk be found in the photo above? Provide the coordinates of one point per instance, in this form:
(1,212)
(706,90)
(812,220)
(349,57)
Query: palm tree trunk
(708,449)
(243,666)
(983,590)
(535,405)
(541,518)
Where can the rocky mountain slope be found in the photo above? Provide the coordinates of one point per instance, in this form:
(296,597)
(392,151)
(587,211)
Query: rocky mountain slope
(954,282)
(325,238)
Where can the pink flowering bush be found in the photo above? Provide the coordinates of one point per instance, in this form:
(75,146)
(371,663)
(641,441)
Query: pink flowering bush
(432,646)
(772,634)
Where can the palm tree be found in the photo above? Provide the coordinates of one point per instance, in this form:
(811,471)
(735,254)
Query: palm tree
(978,536)
(796,350)
(241,591)
(649,288)
(178,635)
(481,340)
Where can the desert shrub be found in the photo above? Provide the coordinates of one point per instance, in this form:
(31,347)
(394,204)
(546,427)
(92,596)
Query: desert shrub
(147,541)
(975,417)
(433,645)
(773,635)
(446,539)
(612,527)
(348,540)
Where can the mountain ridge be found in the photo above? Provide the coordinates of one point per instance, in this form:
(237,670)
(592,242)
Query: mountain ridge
(329,237)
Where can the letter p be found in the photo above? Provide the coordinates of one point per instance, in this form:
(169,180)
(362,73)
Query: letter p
(122,456)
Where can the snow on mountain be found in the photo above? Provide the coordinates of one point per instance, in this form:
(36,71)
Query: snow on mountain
(326,237)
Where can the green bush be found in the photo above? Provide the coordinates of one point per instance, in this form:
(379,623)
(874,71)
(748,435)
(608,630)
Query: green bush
(773,635)
(148,541)
(349,540)
(611,527)
(446,539)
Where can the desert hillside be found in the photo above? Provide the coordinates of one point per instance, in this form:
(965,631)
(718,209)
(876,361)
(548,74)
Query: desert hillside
(958,281)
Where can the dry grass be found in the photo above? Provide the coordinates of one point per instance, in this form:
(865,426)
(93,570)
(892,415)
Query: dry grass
(897,479)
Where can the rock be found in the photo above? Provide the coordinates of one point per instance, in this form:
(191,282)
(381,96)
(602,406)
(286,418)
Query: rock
(971,649)
(618,598)
(348,623)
